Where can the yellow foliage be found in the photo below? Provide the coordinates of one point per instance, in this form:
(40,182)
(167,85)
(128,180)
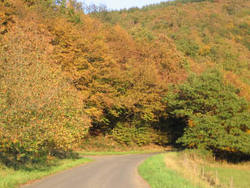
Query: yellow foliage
(205,50)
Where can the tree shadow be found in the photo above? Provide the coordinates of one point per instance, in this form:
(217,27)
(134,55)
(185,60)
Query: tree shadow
(38,164)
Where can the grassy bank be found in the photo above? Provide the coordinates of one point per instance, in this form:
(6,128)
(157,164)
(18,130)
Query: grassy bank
(236,176)
(187,169)
(10,178)
(155,172)
(206,172)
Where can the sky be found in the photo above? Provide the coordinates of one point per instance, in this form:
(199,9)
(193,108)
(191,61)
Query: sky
(120,4)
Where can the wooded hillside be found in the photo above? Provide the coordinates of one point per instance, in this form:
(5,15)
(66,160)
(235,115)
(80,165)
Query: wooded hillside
(136,77)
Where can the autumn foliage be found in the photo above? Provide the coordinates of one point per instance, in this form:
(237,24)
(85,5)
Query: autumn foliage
(41,113)
(61,68)
(66,76)
(209,35)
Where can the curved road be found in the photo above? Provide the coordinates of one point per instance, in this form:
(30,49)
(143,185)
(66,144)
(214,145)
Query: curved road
(105,172)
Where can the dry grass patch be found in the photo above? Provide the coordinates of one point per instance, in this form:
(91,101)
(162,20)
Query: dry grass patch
(187,168)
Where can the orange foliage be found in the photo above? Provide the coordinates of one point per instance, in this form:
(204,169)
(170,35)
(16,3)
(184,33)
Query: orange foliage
(238,83)
(191,123)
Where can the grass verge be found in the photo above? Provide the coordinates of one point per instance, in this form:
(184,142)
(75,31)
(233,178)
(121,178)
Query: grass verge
(10,178)
(155,172)
(207,172)
(189,169)
(233,176)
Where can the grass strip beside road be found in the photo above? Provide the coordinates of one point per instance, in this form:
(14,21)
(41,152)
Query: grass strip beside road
(155,172)
(10,178)
(188,169)
(234,175)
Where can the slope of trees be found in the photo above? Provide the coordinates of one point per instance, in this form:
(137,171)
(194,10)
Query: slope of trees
(209,34)
(60,69)
(66,76)
(206,32)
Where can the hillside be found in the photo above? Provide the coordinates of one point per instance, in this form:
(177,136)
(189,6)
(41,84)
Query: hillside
(174,73)
(61,68)
(206,32)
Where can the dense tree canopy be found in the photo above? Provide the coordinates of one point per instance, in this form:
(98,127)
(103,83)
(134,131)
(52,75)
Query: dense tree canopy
(66,76)
(216,117)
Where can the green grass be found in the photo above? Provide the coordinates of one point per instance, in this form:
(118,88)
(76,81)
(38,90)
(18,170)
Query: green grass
(10,178)
(223,173)
(155,172)
(184,170)
(231,176)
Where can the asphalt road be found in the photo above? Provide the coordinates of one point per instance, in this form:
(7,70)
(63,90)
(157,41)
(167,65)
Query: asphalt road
(105,172)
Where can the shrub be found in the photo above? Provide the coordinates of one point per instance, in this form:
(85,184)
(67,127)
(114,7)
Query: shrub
(125,133)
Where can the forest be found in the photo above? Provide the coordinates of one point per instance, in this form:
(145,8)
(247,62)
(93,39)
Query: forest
(175,73)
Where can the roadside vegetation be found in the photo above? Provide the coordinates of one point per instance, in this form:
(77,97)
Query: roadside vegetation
(171,74)
(118,149)
(11,178)
(155,172)
(193,169)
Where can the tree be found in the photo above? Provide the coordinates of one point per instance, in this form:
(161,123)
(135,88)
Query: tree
(216,118)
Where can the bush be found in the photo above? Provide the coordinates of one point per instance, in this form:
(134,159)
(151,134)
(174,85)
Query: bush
(125,133)
(216,117)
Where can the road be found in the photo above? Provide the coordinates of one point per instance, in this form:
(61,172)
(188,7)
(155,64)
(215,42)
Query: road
(105,172)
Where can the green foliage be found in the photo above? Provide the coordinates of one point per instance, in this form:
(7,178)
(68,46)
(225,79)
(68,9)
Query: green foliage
(125,133)
(242,32)
(189,47)
(141,34)
(216,117)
